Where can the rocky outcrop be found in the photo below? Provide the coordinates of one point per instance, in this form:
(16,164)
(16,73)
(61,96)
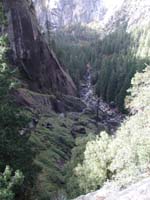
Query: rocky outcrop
(139,191)
(73,103)
(45,104)
(39,65)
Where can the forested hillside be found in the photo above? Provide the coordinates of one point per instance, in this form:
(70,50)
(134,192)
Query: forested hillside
(74,99)
(114,59)
(120,55)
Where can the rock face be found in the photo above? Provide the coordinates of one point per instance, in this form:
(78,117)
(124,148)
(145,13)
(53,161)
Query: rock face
(45,103)
(66,12)
(30,51)
(139,191)
(132,13)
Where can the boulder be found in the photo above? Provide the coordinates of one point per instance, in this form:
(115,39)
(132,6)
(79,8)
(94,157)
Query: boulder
(49,126)
(88,111)
(73,104)
(113,122)
(76,130)
(34,101)
(82,123)
(63,125)
(74,116)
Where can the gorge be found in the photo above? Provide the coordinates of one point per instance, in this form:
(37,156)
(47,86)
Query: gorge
(74,99)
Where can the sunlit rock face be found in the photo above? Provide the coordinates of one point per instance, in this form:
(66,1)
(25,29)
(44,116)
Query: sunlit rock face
(66,12)
(132,13)
(139,191)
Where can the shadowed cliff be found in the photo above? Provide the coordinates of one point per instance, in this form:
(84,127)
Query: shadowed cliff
(31,53)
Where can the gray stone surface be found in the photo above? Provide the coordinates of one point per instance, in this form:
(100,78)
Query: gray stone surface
(139,191)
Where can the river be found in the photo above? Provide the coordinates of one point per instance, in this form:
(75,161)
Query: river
(109,115)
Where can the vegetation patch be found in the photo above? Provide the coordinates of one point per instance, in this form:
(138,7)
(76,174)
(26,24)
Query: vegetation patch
(122,159)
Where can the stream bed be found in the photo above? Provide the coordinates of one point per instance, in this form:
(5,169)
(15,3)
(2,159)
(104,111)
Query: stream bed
(109,115)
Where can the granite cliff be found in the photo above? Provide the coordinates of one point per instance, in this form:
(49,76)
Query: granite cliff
(65,13)
(30,51)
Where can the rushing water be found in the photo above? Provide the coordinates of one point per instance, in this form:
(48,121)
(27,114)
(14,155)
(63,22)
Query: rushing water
(111,115)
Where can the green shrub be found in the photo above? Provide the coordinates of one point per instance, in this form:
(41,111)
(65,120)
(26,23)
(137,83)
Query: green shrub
(94,169)
(15,149)
(9,182)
